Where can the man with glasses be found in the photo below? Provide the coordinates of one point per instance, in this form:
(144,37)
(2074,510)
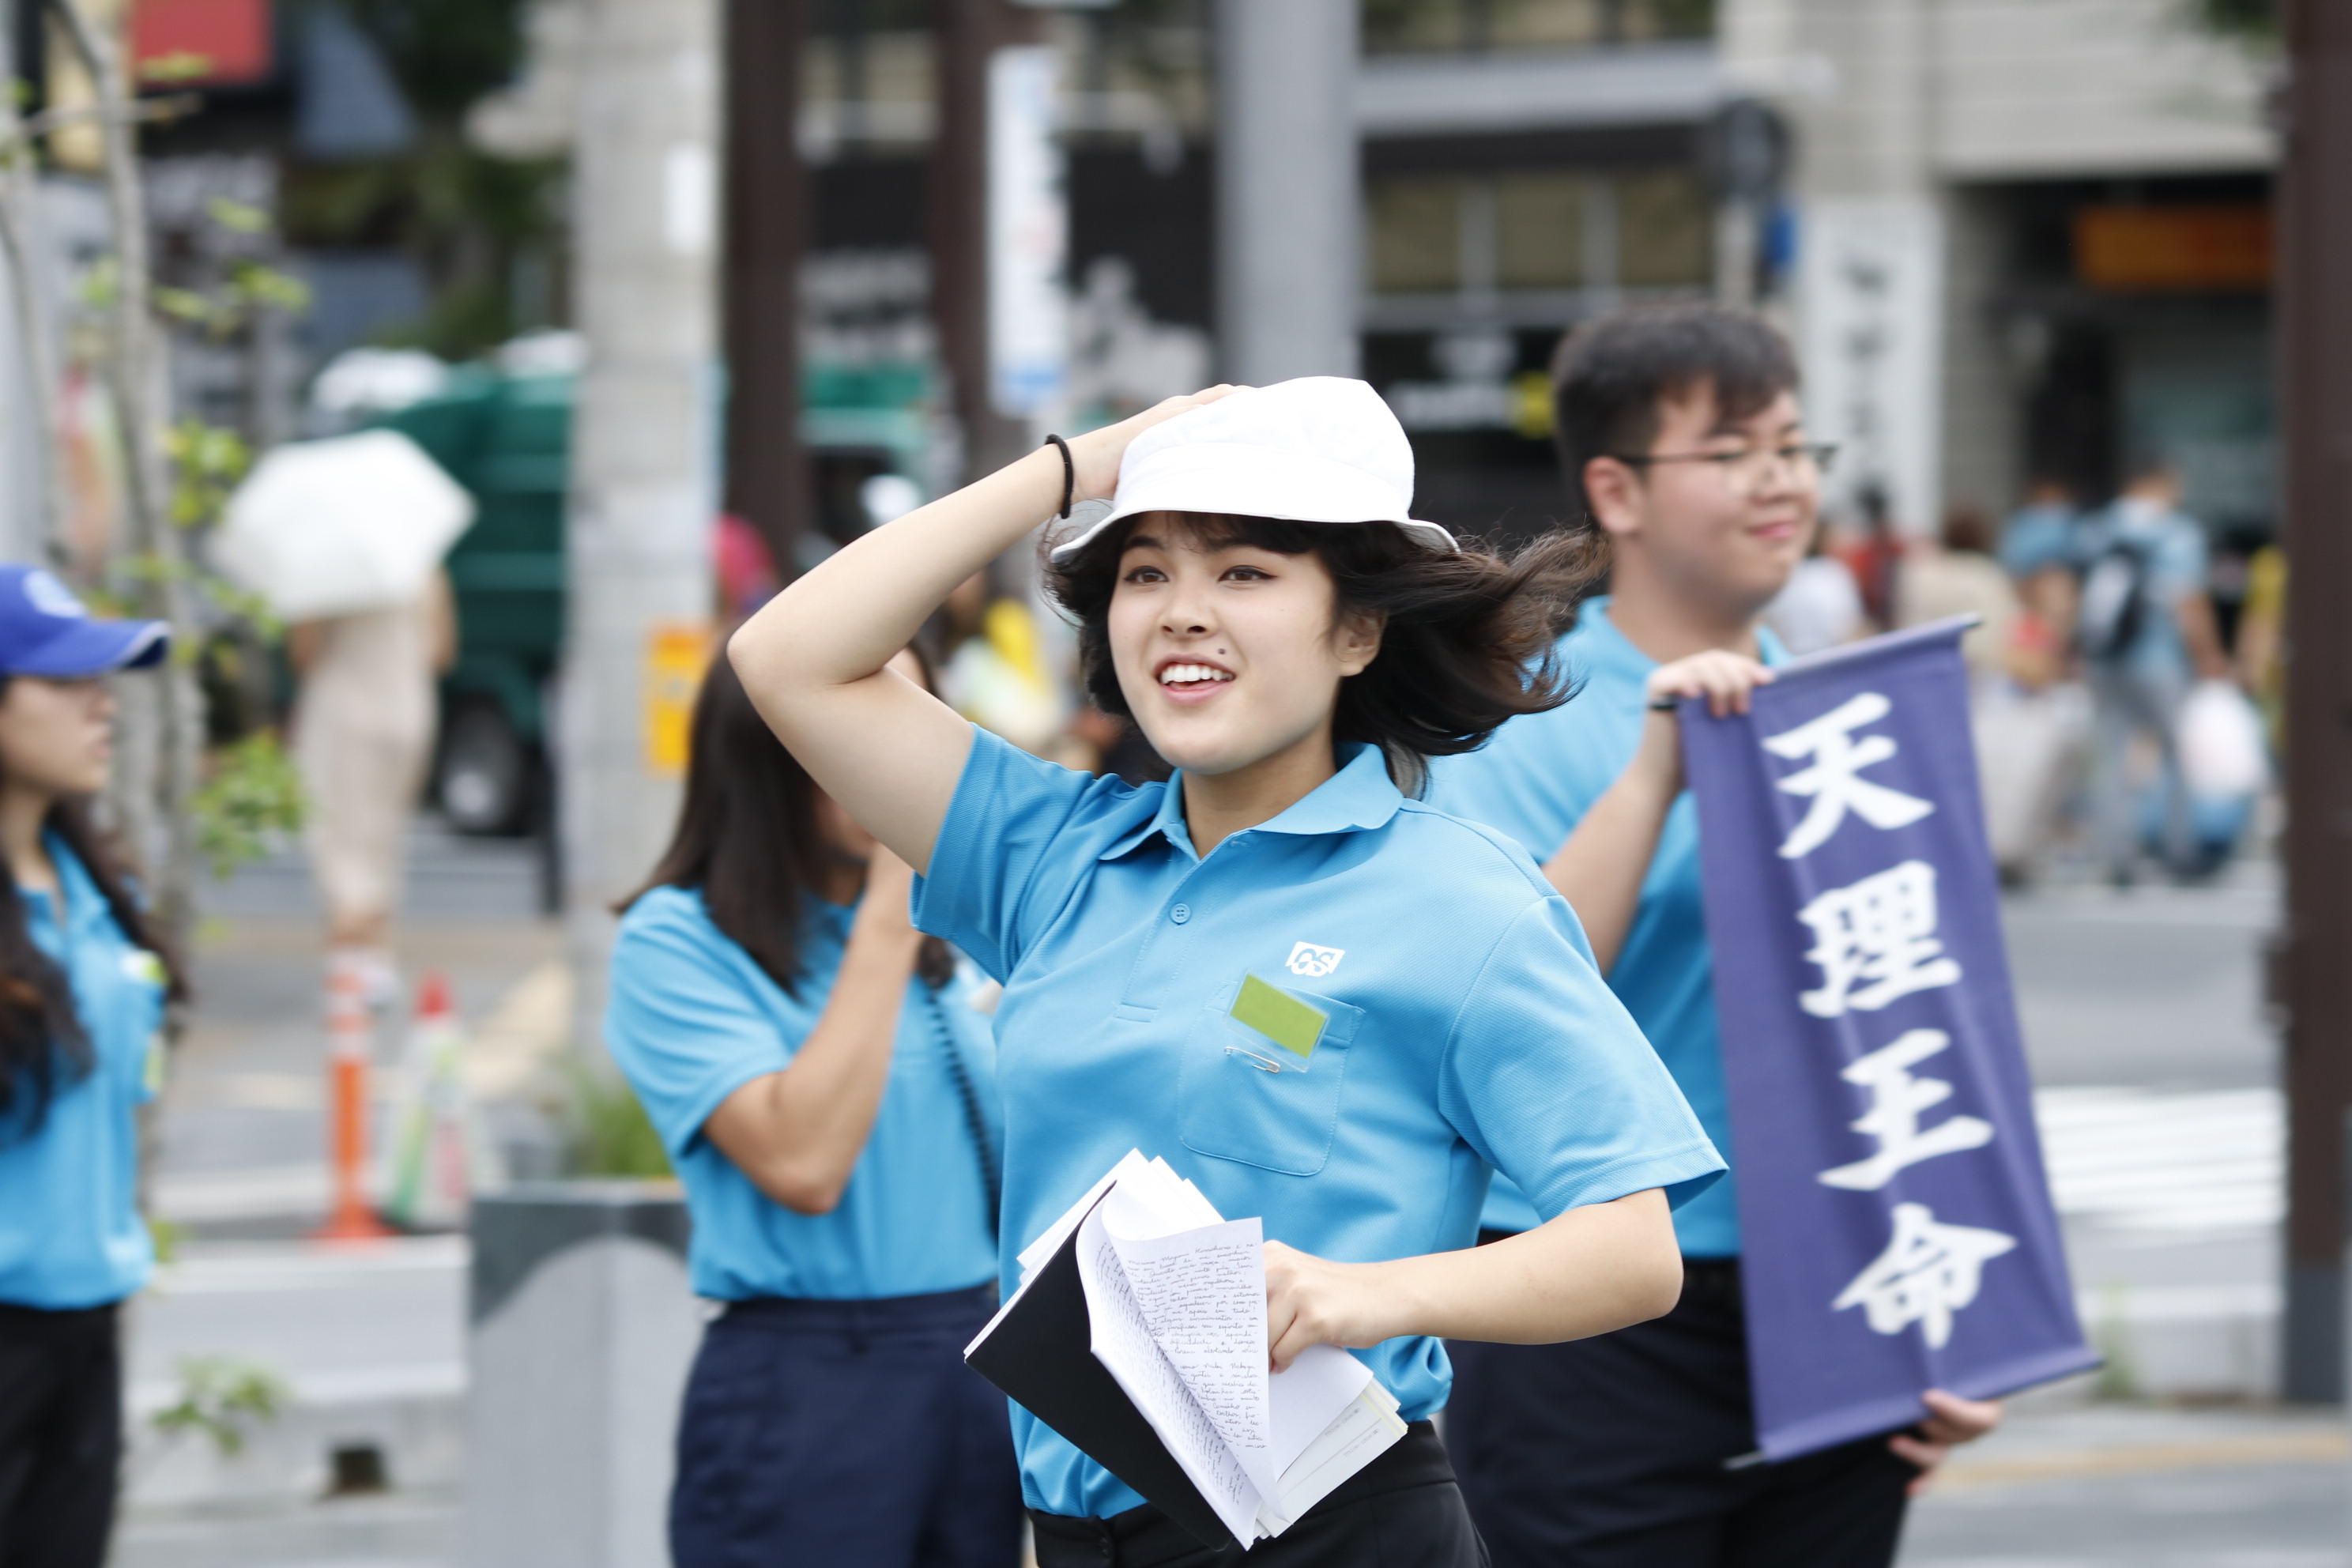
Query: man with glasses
(1681,438)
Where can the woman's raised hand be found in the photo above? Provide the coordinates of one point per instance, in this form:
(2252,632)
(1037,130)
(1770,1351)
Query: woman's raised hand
(1096,455)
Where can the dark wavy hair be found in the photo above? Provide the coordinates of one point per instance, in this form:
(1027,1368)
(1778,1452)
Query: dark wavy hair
(43,1046)
(748,838)
(1466,639)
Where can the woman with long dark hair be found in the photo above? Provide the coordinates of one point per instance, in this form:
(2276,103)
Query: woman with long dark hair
(1326,1004)
(83,982)
(825,1087)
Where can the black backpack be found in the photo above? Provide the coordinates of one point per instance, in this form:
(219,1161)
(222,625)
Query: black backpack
(2114,604)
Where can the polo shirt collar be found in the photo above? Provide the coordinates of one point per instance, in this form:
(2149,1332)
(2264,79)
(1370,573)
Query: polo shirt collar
(1602,641)
(86,907)
(1360,796)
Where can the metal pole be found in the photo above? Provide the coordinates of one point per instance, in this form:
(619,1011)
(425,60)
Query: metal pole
(1290,188)
(2315,337)
(965,33)
(767,223)
(644,439)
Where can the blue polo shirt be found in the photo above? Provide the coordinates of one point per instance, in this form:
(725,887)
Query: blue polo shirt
(1463,1029)
(692,1019)
(1534,779)
(70,1235)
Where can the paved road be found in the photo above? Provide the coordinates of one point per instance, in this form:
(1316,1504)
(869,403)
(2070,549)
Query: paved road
(2157,988)
(2111,1487)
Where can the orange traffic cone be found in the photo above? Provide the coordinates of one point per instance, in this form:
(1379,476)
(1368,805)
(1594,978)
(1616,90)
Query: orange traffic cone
(349,1045)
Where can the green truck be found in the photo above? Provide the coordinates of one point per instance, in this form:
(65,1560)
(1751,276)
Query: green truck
(507,438)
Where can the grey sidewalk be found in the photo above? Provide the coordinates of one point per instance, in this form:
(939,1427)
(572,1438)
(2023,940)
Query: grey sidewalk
(2100,1486)
(2127,1486)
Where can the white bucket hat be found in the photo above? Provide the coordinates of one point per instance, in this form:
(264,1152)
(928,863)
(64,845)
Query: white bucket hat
(1322,449)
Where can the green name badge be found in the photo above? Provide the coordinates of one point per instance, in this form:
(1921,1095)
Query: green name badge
(1297,1027)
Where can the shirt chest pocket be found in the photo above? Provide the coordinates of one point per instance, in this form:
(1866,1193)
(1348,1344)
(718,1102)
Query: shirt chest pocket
(1240,1097)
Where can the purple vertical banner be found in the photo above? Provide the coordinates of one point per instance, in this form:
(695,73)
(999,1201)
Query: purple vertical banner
(1896,1228)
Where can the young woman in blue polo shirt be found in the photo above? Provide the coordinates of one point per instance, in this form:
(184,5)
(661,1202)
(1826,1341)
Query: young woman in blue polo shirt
(1284,633)
(823,1085)
(83,981)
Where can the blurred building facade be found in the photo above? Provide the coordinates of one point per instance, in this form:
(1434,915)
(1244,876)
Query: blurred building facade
(2086,186)
(2013,238)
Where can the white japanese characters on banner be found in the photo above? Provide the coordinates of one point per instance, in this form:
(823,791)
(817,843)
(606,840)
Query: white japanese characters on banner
(1897,1233)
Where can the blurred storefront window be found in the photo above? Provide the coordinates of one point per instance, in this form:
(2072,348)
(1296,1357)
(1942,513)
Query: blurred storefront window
(1416,243)
(1540,224)
(1408,26)
(1549,230)
(1665,229)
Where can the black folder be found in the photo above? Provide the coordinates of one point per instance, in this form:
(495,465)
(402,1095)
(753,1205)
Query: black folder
(1041,1355)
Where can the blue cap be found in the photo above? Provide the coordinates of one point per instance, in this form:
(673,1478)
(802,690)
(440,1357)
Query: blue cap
(44,630)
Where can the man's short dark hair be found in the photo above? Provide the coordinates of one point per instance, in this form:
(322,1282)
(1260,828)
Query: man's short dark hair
(1612,376)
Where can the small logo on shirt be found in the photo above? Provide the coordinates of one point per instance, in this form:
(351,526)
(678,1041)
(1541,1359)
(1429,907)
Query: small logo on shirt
(1314,962)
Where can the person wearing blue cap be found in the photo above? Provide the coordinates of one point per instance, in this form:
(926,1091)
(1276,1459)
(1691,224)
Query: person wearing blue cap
(1259,600)
(83,981)
(824,1087)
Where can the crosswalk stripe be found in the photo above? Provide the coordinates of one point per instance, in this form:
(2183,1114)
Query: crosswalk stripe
(2153,1160)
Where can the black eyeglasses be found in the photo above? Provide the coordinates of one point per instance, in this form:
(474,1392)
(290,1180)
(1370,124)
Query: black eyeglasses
(1749,465)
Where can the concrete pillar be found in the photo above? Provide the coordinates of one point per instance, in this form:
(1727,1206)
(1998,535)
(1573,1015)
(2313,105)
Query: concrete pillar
(581,1332)
(1855,78)
(644,451)
(1289,189)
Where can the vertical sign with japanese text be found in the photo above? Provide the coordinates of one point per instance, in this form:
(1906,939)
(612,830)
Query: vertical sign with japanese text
(1896,1228)
(1028,234)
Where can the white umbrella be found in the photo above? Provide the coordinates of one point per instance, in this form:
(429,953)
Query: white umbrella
(354,522)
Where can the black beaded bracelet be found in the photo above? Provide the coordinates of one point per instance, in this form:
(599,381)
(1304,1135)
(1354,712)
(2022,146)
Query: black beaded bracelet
(1069,474)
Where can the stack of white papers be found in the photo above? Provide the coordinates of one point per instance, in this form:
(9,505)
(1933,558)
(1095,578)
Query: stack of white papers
(1175,1296)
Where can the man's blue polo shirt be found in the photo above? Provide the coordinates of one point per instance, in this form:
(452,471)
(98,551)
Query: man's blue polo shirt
(70,1235)
(1534,779)
(1463,1030)
(692,1019)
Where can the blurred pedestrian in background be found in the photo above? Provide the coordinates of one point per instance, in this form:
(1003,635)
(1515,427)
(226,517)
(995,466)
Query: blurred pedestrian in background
(1820,607)
(825,1090)
(2262,639)
(365,714)
(2033,715)
(1680,434)
(2040,534)
(2146,628)
(83,980)
(1956,574)
(1873,554)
